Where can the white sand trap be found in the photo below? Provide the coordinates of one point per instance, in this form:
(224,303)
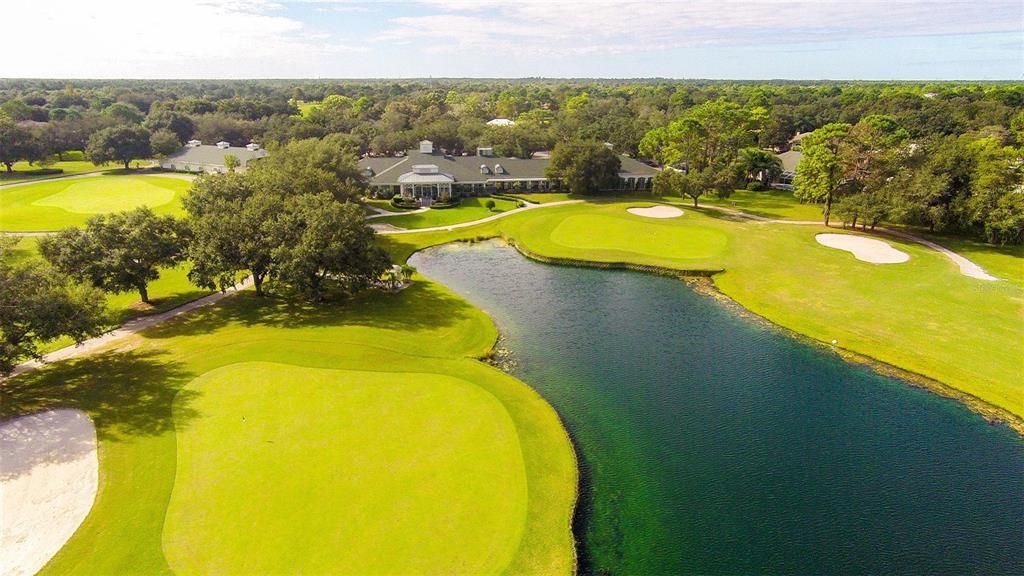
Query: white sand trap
(656,212)
(48,479)
(866,249)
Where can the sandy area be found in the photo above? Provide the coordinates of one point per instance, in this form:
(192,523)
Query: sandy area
(656,212)
(866,249)
(48,479)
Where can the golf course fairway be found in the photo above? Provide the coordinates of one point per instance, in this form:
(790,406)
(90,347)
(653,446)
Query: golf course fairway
(64,202)
(354,438)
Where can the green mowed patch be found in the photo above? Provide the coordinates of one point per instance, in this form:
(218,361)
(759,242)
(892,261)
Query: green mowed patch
(779,204)
(382,472)
(1003,262)
(545,197)
(922,315)
(607,233)
(57,204)
(74,164)
(470,209)
(331,378)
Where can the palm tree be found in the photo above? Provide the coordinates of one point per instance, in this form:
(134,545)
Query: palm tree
(761,164)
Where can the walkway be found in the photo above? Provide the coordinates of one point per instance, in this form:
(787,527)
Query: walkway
(526,206)
(380,212)
(127,329)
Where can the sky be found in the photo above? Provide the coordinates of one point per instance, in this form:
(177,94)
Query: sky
(731,39)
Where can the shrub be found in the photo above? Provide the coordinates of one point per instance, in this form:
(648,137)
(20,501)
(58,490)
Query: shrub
(756,186)
(490,205)
(399,202)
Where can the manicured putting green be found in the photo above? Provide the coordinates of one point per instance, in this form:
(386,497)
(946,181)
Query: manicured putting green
(57,204)
(601,232)
(380,473)
(97,196)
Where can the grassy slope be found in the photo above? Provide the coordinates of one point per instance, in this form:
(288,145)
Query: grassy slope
(56,204)
(470,209)
(545,197)
(923,316)
(770,204)
(132,394)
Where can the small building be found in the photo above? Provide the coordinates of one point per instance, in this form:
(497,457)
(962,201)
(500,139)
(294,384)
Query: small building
(790,159)
(426,175)
(196,157)
(797,140)
(501,122)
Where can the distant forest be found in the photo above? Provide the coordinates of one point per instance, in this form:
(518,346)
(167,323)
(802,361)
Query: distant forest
(946,155)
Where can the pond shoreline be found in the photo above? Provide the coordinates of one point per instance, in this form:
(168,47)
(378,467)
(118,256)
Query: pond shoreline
(703,281)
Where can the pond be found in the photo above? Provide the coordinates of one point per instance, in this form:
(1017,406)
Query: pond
(711,443)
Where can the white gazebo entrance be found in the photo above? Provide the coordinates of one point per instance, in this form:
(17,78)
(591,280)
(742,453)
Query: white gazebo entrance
(426,182)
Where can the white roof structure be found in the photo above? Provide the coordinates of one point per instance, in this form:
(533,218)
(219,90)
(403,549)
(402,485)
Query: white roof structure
(501,122)
(425,174)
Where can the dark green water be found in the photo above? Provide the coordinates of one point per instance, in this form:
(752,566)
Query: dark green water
(713,445)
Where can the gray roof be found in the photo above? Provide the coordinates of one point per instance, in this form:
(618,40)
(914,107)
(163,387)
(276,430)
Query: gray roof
(790,159)
(467,168)
(214,156)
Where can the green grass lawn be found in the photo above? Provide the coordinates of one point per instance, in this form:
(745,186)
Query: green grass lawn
(779,204)
(57,204)
(420,438)
(1005,262)
(361,438)
(470,209)
(74,163)
(545,197)
(922,316)
(306,107)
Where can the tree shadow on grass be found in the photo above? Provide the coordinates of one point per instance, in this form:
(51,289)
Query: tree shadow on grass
(421,306)
(126,393)
(721,214)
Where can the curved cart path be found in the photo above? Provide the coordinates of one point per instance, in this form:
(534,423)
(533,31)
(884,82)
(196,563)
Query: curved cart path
(967,268)
(526,206)
(128,328)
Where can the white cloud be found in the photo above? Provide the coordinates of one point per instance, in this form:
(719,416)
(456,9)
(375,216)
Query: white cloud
(572,27)
(183,38)
(293,38)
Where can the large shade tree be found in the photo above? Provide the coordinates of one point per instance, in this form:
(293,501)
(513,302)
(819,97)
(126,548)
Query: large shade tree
(17,143)
(585,167)
(119,144)
(231,219)
(324,245)
(118,252)
(39,305)
(297,232)
(312,165)
(821,171)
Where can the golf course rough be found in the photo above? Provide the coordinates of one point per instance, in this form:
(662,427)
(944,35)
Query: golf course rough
(57,204)
(261,436)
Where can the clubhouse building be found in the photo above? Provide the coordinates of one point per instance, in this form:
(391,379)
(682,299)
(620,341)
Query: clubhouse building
(198,157)
(426,175)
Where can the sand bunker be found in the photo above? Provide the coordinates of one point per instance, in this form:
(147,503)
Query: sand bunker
(656,212)
(48,479)
(866,249)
